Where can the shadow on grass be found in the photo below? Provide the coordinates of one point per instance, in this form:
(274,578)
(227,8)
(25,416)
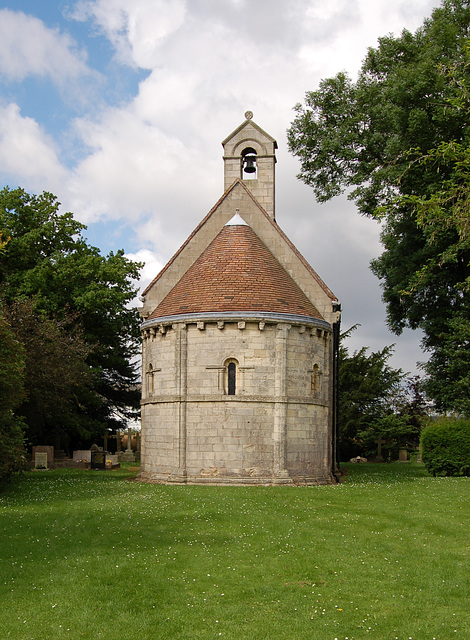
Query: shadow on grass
(385,471)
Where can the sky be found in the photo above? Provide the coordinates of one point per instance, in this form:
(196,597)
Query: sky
(119,108)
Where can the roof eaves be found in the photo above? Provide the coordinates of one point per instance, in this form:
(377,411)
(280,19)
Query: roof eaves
(239,181)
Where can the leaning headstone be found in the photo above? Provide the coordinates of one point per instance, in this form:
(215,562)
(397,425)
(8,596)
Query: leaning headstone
(40,460)
(98,460)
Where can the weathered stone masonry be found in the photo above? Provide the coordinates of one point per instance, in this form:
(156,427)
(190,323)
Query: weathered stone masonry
(237,381)
(276,426)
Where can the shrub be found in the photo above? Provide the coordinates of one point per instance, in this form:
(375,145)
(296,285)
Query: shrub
(445,446)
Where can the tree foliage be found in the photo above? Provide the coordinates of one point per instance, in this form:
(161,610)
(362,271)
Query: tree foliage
(397,139)
(376,400)
(445,444)
(12,359)
(78,307)
(56,374)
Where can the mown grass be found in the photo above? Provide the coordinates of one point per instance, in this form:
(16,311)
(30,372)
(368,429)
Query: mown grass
(87,554)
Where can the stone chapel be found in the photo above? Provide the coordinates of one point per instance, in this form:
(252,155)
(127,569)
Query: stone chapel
(240,339)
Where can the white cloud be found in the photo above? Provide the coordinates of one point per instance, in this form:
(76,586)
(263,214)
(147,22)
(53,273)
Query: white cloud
(352,27)
(26,151)
(29,48)
(152,265)
(134,170)
(155,162)
(136,29)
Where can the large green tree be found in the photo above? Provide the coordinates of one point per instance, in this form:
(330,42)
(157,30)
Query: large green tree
(397,141)
(376,400)
(12,359)
(81,297)
(56,375)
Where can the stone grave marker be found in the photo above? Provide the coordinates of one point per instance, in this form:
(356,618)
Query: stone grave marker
(128,455)
(49,450)
(40,460)
(82,454)
(98,459)
(379,441)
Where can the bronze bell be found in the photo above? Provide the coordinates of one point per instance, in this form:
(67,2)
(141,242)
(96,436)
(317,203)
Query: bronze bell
(249,164)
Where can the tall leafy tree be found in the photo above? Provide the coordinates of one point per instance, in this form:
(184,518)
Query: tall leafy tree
(47,261)
(397,140)
(56,374)
(12,359)
(370,391)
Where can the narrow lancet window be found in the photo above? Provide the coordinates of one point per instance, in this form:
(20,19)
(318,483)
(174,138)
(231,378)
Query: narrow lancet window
(232,378)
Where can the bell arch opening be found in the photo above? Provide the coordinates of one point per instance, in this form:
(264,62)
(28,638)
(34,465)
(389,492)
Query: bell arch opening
(249,166)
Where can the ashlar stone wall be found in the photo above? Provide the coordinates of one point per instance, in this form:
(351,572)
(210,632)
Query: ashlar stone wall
(251,136)
(275,428)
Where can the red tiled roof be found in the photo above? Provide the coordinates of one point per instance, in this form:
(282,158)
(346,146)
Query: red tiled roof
(239,182)
(236,272)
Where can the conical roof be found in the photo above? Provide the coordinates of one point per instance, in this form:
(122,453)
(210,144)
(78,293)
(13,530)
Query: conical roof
(236,273)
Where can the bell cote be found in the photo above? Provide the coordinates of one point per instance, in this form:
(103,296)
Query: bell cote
(249,154)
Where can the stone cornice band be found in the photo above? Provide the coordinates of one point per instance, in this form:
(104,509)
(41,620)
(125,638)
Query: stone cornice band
(234,316)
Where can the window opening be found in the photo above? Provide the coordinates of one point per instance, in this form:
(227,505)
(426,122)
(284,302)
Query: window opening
(249,166)
(232,378)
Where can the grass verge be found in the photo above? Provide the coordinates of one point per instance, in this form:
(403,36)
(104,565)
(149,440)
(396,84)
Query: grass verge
(383,555)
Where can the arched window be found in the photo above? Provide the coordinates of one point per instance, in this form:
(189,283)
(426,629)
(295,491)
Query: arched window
(232,378)
(231,367)
(249,166)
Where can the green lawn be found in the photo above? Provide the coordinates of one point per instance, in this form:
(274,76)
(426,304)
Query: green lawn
(88,554)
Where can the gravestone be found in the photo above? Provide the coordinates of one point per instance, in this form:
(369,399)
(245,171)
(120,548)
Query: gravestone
(44,449)
(112,460)
(402,455)
(379,441)
(40,460)
(128,455)
(82,455)
(98,460)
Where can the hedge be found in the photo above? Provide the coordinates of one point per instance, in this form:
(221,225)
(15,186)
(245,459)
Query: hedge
(445,446)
